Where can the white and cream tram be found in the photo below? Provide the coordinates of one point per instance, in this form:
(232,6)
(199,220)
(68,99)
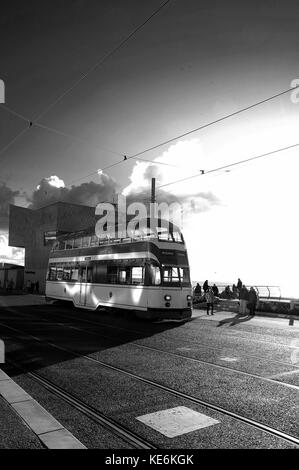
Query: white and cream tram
(147,273)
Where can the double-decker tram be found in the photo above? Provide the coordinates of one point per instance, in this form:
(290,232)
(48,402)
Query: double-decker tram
(147,273)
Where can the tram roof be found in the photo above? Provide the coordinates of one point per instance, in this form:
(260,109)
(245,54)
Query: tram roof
(156,223)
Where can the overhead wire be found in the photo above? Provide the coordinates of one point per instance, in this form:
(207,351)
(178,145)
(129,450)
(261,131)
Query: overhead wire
(227,116)
(102,60)
(32,122)
(272,152)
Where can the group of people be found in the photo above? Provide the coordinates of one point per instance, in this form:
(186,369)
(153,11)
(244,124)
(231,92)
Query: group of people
(7,285)
(247,298)
(32,286)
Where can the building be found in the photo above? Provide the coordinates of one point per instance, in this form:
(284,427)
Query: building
(35,230)
(11,277)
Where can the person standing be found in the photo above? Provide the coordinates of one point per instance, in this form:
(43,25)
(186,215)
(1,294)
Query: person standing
(239,284)
(243,297)
(252,301)
(206,286)
(210,300)
(215,290)
(37,287)
(197,290)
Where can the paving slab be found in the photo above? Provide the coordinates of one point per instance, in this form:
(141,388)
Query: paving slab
(61,439)
(12,392)
(39,420)
(176,421)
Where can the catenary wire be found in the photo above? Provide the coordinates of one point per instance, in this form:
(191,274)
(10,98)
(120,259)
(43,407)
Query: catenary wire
(272,152)
(227,116)
(32,122)
(101,61)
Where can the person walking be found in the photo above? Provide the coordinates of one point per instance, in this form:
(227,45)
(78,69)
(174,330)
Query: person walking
(243,297)
(210,300)
(252,301)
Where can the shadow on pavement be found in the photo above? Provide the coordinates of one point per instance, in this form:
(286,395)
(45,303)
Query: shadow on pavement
(235,320)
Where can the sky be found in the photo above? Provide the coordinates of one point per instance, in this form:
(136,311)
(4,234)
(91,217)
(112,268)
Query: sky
(192,63)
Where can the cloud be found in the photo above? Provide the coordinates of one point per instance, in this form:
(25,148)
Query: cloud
(181,160)
(10,254)
(52,189)
(7,197)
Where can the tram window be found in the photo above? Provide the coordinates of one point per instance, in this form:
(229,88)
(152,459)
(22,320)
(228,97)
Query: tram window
(69,244)
(52,273)
(155,275)
(171,275)
(59,275)
(77,242)
(82,274)
(177,237)
(66,273)
(89,274)
(112,274)
(124,275)
(55,246)
(164,235)
(94,241)
(61,245)
(137,275)
(100,273)
(85,241)
(185,275)
(75,274)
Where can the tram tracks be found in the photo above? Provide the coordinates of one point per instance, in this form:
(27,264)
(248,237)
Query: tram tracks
(178,394)
(182,356)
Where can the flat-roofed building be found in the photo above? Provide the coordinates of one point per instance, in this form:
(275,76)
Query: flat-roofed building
(36,230)
(11,277)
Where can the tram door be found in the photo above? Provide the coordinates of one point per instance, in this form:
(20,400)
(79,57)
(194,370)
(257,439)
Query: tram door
(85,280)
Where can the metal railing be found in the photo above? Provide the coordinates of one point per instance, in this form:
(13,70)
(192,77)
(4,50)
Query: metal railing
(264,292)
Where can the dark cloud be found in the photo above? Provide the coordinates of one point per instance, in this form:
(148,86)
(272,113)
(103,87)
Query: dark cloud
(7,197)
(88,194)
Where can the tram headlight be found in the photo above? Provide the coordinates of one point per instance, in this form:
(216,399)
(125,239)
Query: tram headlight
(189,297)
(167,297)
